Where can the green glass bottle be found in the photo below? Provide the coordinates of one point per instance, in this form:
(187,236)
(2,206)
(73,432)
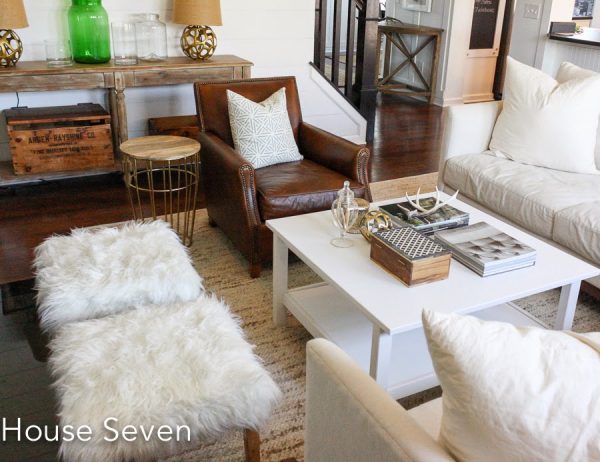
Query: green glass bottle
(90,33)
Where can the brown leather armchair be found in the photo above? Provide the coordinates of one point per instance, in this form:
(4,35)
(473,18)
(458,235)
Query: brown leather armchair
(240,198)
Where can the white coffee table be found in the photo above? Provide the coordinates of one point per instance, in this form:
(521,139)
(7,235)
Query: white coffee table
(377,320)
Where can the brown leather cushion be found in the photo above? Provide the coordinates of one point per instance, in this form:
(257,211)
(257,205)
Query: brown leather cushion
(294,188)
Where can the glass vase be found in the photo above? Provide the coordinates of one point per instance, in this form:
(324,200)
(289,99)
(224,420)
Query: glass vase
(90,32)
(124,45)
(345,211)
(151,37)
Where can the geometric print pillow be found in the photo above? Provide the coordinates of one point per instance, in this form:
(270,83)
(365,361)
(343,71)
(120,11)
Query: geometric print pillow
(262,132)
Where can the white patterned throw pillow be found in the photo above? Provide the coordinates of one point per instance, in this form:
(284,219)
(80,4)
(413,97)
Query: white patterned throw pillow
(262,132)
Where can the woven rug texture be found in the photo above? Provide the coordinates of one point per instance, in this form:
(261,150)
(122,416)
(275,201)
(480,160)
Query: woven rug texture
(225,273)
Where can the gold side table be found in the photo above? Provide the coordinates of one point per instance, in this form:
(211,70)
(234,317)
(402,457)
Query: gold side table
(162,175)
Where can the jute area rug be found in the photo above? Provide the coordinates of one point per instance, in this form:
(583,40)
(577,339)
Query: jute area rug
(225,273)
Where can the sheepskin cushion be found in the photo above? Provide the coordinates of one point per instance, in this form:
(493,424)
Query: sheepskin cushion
(95,272)
(174,365)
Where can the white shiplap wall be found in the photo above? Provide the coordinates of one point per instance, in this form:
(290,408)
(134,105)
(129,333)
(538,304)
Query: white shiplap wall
(277,35)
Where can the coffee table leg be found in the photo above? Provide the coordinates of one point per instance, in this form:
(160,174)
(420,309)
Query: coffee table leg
(280,280)
(566,306)
(381,356)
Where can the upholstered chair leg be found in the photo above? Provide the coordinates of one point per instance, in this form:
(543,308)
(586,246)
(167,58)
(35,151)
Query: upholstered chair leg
(212,222)
(252,445)
(255,270)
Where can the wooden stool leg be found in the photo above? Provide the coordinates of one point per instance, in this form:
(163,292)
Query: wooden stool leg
(255,270)
(252,445)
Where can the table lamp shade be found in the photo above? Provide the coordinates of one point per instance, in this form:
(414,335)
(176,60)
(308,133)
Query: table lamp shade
(12,14)
(197,12)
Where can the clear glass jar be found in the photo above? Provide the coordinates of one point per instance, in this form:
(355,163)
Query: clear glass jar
(124,43)
(151,37)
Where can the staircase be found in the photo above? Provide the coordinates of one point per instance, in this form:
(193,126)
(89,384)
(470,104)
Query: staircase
(349,66)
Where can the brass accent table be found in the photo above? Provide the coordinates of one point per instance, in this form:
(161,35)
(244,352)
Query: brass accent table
(28,76)
(166,169)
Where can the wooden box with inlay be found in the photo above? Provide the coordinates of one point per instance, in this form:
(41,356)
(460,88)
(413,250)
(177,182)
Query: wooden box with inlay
(55,139)
(410,256)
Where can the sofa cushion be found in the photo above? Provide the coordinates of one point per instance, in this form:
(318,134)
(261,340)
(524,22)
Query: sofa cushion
(528,195)
(515,393)
(578,228)
(262,132)
(294,188)
(568,71)
(537,126)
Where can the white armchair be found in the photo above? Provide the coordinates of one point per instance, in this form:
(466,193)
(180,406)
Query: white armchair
(351,418)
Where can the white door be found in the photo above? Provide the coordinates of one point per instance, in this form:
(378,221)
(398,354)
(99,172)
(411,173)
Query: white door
(480,65)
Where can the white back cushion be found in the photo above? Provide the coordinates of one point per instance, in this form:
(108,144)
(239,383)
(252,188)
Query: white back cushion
(546,123)
(569,71)
(515,394)
(262,132)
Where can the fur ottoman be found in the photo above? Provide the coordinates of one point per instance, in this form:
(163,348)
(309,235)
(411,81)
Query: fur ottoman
(94,272)
(177,375)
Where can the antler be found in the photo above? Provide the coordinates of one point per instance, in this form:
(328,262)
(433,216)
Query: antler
(423,211)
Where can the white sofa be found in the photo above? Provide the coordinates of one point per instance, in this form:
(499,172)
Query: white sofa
(560,207)
(351,418)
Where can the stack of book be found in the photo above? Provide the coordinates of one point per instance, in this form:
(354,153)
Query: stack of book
(447,217)
(486,250)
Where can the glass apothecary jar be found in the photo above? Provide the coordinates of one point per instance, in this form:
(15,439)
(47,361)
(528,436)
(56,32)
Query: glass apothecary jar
(151,37)
(89,31)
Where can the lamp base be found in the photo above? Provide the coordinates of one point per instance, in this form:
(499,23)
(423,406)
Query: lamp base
(198,42)
(11,47)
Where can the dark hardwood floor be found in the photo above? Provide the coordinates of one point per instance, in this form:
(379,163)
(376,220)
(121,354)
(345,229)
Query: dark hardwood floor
(406,143)
(408,137)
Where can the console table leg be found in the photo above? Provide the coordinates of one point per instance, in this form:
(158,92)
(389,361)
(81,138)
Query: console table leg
(280,281)
(381,356)
(566,306)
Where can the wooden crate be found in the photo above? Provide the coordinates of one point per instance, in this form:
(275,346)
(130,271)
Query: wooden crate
(187,126)
(58,139)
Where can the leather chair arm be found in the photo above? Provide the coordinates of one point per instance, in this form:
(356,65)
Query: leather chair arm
(229,185)
(333,152)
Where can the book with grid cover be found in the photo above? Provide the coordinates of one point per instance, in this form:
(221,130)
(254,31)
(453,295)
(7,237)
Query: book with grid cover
(410,256)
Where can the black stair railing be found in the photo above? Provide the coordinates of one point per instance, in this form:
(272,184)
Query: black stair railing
(352,70)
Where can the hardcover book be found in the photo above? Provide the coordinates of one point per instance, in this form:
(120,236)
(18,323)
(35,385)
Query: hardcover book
(446,217)
(487,250)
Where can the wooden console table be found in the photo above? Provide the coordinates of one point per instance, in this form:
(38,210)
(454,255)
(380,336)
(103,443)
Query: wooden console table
(393,32)
(30,76)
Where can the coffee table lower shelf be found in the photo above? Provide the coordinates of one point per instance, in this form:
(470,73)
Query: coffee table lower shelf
(326,313)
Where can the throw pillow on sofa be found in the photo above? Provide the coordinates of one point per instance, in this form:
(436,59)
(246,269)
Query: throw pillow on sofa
(262,132)
(518,394)
(568,71)
(546,123)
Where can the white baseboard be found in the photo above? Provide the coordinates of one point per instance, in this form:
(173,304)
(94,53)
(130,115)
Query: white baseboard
(348,109)
(478,98)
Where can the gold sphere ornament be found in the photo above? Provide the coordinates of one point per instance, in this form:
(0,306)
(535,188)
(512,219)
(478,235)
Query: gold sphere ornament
(11,47)
(198,42)
(374,222)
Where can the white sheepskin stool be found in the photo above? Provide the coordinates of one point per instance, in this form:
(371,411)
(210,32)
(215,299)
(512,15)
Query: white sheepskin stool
(174,366)
(95,272)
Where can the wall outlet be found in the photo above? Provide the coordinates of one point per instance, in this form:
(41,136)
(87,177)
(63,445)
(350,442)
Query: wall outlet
(532,11)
